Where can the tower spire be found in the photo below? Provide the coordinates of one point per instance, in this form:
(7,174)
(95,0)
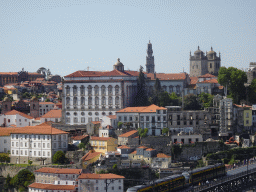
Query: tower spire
(150,65)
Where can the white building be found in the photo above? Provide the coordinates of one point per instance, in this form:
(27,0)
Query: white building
(5,139)
(55,180)
(152,117)
(37,143)
(91,182)
(15,118)
(44,107)
(109,120)
(54,115)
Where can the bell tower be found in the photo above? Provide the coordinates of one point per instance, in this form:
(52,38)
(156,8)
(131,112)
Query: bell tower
(150,64)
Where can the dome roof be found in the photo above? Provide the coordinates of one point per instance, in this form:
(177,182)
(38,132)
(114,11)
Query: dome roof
(198,51)
(118,63)
(211,52)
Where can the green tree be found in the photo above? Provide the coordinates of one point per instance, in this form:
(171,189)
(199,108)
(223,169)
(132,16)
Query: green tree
(206,100)
(140,98)
(119,124)
(4,157)
(81,145)
(23,179)
(59,157)
(164,99)
(30,162)
(234,80)
(47,100)
(114,166)
(252,92)
(165,131)
(191,103)
(175,100)
(143,132)
(8,184)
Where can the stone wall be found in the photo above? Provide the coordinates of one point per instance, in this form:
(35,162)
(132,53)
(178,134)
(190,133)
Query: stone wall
(75,156)
(160,143)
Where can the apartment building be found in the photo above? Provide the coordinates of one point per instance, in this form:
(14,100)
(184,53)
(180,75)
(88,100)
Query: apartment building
(103,144)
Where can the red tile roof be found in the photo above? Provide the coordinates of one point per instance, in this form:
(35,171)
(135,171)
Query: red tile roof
(80,137)
(7,131)
(46,103)
(112,116)
(193,80)
(14,112)
(162,155)
(90,155)
(147,109)
(59,170)
(167,76)
(8,73)
(150,149)
(134,152)
(96,122)
(52,187)
(123,147)
(100,176)
(209,81)
(142,147)
(52,114)
(128,134)
(42,129)
(103,73)
(101,138)
(208,75)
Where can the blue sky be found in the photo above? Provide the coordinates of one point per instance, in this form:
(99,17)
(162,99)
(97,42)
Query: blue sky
(66,36)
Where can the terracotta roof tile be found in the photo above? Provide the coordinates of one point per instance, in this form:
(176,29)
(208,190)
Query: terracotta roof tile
(90,155)
(42,129)
(7,131)
(59,170)
(14,112)
(167,76)
(208,75)
(96,122)
(162,155)
(150,149)
(142,147)
(52,187)
(193,80)
(8,73)
(128,134)
(101,138)
(80,137)
(100,176)
(46,103)
(134,152)
(112,116)
(52,114)
(209,81)
(123,147)
(147,109)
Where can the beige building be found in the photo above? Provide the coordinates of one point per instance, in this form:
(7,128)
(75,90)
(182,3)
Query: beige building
(129,138)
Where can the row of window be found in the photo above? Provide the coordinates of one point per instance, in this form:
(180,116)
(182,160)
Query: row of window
(38,137)
(97,188)
(142,118)
(96,101)
(186,122)
(38,145)
(96,90)
(36,153)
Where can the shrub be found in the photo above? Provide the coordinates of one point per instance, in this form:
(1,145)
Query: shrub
(59,157)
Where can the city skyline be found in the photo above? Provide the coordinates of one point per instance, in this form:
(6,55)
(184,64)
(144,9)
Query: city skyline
(68,36)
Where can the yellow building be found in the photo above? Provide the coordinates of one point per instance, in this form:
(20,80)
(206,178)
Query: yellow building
(90,157)
(103,144)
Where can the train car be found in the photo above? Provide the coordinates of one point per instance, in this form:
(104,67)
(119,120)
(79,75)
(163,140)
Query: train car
(206,173)
(171,183)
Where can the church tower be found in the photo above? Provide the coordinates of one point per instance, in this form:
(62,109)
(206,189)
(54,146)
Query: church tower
(150,64)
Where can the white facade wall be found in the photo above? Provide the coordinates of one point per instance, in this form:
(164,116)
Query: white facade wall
(46,190)
(103,132)
(93,185)
(35,146)
(5,144)
(16,119)
(86,113)
(55,120)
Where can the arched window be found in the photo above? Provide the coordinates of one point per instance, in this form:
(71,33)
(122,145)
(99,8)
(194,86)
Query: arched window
(82,90)
(210,65)
(67,90)
(68,101)
(116,90)
(117,101)
(96,90)
(75,101)
(103,101)
(82,101)
(75,90)
(68,114)
(90,101)
(96,100)
(103,90)
(109,90)
(89,90)
(110,101)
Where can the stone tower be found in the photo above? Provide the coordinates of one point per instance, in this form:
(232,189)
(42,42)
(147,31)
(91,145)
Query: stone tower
(118,65)
(6,105)
(34,107)
(150,64)
(201,64)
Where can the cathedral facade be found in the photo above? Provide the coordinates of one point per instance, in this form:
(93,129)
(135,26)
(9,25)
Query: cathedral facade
(201,64)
